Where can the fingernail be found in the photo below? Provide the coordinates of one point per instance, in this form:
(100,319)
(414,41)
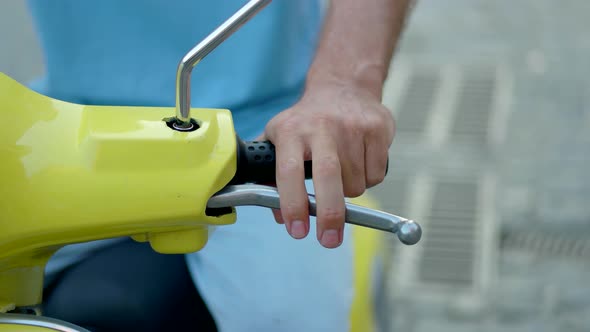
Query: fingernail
(298,229)
(330,238)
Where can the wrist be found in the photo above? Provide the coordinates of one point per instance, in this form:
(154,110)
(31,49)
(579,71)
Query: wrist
(366,76)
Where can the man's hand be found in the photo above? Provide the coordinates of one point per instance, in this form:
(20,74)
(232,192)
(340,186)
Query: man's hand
(346,132)
(340,123)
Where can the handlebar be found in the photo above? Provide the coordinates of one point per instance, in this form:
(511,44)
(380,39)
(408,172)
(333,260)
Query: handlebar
(256,164)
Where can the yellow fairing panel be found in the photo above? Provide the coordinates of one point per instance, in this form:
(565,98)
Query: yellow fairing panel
(368,248)
(23,328)
(72,173)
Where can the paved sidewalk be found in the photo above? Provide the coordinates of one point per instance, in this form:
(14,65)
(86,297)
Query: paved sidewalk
(492,156)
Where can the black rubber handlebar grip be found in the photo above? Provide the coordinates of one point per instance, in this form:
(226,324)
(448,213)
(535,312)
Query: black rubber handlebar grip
(257,163)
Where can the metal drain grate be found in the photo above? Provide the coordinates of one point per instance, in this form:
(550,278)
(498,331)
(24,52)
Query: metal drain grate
(447,117)
(416,104)
(553,244)
(450,104)
(448,248)
(459,244)
(472,115)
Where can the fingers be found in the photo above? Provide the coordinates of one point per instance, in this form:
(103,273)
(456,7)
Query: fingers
(348,144)
(353,167)
(327,180)
(291,186)
(375,164)
(377,151)
(277,214)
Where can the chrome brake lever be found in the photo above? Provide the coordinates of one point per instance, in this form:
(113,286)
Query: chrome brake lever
(408,231)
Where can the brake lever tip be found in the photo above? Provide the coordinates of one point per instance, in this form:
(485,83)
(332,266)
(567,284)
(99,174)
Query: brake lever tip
(409,232)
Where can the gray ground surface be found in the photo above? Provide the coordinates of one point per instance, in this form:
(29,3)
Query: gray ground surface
(492,157)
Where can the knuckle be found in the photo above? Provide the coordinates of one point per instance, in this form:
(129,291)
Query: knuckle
(283,126)
(382,118)
(323,122)
(327,165)
(377,121)
(389,125)
(293,211)
(368,127)
(352,123)
(331,216)
(287,167)
(288,125)
(356,123)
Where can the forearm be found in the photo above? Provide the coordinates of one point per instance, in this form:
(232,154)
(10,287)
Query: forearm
(358,41)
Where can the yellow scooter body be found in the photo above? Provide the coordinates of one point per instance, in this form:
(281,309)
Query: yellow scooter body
(73,173)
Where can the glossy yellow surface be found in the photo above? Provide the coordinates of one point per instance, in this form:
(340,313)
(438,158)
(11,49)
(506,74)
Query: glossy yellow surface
(368,248)
(72,173)
(23,328)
